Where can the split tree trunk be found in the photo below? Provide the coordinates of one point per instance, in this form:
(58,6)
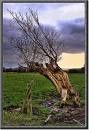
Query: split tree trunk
(60,80)
(63,86)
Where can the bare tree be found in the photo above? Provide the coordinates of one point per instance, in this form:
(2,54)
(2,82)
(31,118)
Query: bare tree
(39,49)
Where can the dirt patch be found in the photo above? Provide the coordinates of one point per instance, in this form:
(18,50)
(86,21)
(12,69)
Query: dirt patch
(68,114)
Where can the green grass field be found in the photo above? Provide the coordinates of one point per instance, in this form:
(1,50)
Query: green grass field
(14,91)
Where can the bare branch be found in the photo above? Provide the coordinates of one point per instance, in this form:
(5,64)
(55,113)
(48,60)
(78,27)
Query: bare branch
(44,40)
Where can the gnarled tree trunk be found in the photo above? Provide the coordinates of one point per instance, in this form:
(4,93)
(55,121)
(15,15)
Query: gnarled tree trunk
(60,80)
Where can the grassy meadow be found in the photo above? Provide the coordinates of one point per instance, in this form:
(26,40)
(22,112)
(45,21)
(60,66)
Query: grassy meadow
(14,91)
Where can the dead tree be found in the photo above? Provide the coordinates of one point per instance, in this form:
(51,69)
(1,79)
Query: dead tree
(39,49)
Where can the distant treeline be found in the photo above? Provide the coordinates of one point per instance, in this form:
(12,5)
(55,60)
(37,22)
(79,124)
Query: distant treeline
(19,69)
(24,69)
(82,70)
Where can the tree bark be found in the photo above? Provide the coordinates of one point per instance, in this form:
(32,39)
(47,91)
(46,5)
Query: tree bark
(60,80)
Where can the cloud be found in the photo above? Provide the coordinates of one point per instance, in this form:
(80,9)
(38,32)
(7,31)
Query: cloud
(63,13)
(73,35)
(65,17)
(73,26)
(49,13)
(9,53)
(10,58)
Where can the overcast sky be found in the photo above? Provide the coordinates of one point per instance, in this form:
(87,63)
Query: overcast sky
(68,18)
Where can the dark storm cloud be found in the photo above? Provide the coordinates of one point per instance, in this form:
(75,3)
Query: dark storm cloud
(73,35)
(9,52)
(9,30)
(74,26)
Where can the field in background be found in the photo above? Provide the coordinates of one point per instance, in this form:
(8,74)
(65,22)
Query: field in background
(14,90)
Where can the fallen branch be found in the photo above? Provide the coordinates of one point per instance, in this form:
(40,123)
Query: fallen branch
(51,113)
(77,122)
(48,118)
